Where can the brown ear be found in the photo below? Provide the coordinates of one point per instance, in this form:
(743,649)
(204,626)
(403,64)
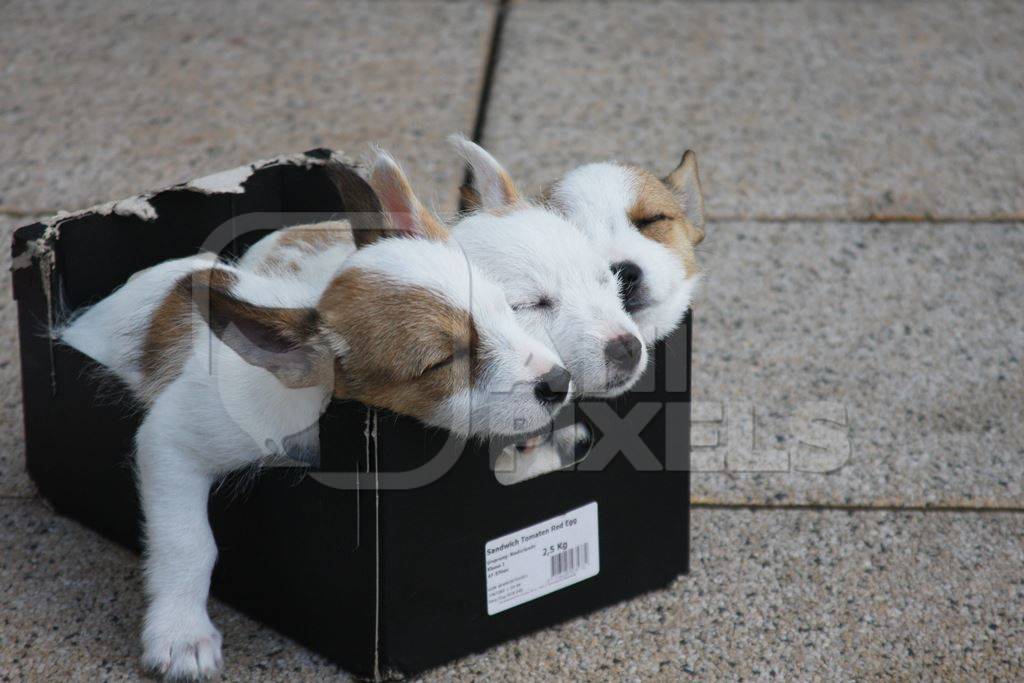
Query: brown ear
(470,199)
(360,204)
(406,215)
(491,181)
(684,182)
(281,340)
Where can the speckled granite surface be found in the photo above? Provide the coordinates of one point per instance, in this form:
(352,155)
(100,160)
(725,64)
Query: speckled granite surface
(912,335)
(783,595)
(70,606)
(773,594)
(101,100)
(838,109)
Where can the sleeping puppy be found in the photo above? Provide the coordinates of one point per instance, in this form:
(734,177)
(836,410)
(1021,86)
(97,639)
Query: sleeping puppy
(235,367)
(561,287)
(646,228)
(558,283)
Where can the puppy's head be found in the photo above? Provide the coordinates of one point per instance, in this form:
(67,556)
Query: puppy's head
(560,287)
(646,228)
(408,325)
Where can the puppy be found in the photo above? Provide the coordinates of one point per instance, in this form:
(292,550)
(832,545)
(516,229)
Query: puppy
(557,282)
(235,366)
(646,228)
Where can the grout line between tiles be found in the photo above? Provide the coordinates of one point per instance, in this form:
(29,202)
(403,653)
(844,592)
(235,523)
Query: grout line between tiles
(908,219)
(849,507)
(703,504)
(490,66)
(5,499)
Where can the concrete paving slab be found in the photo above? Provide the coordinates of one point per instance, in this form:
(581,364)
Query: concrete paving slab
(840,110)
(862,364)
(783,594)
(14,480)
(100,101)
(72,606)
(803,595)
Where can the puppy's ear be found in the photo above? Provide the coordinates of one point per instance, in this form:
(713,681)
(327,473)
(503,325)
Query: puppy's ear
(470,198)
(684,182)
(405,214)
(360,204)
(492,183)
(283,341)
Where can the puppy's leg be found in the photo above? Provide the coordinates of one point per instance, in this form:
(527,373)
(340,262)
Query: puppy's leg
(178,638)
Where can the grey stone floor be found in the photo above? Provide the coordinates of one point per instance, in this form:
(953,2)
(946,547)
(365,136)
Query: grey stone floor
(865,268)
(102,100)
(832,110)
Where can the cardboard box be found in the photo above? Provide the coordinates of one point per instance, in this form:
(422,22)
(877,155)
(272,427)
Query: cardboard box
(358,560)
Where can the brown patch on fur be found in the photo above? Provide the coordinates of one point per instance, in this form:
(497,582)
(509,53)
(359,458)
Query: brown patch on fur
(316,236)
(277,339)
(400,341)
(509,191)
(169,336)
(654,200)
(544,196)
(307,240)
(470,198)
(271,263)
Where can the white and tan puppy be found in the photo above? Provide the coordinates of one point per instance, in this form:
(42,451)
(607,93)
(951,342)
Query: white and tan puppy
(646,228)
(235,366)
(559,285)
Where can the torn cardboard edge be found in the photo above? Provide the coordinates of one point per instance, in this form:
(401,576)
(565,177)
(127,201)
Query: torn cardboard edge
(231,181)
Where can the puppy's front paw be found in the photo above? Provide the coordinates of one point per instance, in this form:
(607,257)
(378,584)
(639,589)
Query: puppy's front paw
(181,647)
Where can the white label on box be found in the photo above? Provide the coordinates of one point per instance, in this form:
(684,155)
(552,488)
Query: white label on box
(540,559)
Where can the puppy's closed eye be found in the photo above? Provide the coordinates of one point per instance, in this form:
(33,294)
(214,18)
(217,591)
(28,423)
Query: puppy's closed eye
(543,303)
(458,355)
(439,364)
(647,221)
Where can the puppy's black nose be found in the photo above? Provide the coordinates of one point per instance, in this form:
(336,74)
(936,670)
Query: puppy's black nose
(630,279)
(623,352)
(629,273)
(553,386)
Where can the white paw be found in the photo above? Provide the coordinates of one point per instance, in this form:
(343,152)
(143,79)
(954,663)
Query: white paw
(180,646)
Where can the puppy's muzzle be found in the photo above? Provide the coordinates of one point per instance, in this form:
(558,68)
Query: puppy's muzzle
(553,387)
(622,354)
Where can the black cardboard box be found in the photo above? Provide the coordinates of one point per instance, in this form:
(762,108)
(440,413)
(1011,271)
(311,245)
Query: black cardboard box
(354,559)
